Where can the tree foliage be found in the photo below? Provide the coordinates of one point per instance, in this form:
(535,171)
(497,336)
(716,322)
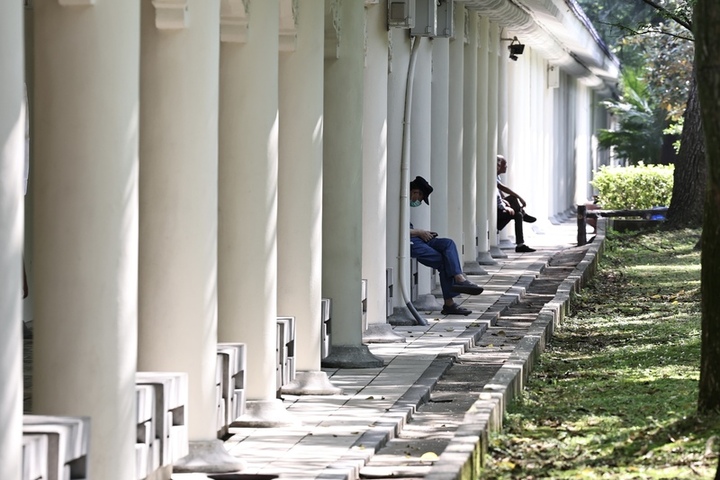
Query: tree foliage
(653,40)
(641,121)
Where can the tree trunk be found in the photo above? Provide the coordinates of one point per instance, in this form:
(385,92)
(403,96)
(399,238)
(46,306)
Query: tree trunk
(690,177)
(707,68)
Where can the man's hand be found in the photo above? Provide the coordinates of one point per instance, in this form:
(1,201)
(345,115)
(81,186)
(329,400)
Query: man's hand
(424,235)
(507,207)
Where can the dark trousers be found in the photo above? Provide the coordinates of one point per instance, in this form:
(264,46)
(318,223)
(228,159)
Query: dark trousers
(442,255)
(503,218)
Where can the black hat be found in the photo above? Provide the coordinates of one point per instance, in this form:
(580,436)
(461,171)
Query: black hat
(421,184)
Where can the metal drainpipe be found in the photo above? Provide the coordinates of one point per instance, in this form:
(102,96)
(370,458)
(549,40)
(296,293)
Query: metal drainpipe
(404,254)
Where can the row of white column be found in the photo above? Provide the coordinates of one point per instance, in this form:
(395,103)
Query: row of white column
(171,203)
(190,185)
(455,137)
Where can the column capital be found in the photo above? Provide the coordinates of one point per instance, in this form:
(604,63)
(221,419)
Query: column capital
(234,17)
(169,14)
(288,25)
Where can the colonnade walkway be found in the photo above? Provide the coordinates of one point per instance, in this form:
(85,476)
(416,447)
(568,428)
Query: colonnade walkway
(428,411)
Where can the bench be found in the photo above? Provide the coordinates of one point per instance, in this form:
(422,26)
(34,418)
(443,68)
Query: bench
(162,420)
(55,447)
(232,364)
(593,212)
(389,291)
(363,299)
(285,351)
(147,445)
(325,318)
(34,456)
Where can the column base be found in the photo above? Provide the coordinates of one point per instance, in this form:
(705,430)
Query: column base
(265,414)
(496,252)
(401,317)
(351,356)
(381,333)
(473,268)
(485,258)
(427,303)
(557,219)
(507,244)
(208,456)
(311,383)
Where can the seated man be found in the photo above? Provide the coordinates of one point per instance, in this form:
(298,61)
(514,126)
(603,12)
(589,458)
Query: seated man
(440,254)
(511,206)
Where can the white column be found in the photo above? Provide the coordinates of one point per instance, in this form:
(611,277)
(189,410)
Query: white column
(86,223)
(300,193)
(469,175)
(178,229)
(375,175)
(583,147)
(342,182)
(455,127)
(440,133)
(483,249)
(399,53)
(494,93)
(12,161)
(420,164)
(247,249)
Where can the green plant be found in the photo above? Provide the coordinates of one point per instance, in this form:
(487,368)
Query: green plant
(641,121)
(635,187)
(615,393)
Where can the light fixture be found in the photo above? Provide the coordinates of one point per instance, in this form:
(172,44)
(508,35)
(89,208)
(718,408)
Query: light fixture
(516,48)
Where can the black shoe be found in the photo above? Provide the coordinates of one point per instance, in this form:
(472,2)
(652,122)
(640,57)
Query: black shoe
(528,218)
(455,309)
(524,249)
(467,287)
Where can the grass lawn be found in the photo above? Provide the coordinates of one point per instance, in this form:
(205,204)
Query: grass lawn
(615,394)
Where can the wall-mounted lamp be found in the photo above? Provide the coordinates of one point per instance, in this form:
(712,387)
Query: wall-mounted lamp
(516,48)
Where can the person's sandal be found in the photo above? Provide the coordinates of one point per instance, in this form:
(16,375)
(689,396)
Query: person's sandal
(467,287)
(455,309)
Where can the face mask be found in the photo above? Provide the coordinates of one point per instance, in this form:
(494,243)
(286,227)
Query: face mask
(415,203)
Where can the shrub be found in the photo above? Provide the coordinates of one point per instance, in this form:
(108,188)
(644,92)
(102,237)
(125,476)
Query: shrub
(638,187)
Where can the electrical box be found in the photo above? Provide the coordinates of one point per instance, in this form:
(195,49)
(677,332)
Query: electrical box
(401,13)
(445,18)
(553,76)
(425,19)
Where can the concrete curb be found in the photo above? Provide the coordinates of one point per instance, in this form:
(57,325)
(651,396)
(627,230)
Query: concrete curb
(464,457)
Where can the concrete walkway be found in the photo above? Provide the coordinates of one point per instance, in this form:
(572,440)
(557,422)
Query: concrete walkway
(427,413)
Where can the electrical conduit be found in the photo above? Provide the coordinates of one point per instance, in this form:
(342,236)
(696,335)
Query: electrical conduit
(404,253)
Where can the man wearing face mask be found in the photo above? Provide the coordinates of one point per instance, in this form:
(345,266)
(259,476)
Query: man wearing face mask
(440,254)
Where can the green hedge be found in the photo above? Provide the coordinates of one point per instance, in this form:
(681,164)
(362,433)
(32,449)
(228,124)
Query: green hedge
(635,188)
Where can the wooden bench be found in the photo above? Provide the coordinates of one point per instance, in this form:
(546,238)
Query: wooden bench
(585,212)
